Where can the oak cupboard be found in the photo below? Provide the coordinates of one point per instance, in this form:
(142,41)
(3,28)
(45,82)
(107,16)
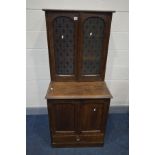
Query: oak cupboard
(77,98)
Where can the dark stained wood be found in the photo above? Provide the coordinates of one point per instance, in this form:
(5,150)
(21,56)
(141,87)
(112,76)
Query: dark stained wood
(78,41)
(76,140)
(77,104)
(96,11)
(106,16)
(76,122)
(64,115)
(91,116)
(50,16)
(105,45)
(77,90)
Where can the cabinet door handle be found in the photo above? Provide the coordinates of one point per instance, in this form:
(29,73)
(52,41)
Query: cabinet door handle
(51,88)
(62,36)
(77,139)
(90,34)
(75,18)
(94,109)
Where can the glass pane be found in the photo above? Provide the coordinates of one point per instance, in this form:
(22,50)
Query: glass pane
(92,45)
(64,45)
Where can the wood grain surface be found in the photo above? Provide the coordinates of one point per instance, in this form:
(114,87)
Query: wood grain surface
(77,90)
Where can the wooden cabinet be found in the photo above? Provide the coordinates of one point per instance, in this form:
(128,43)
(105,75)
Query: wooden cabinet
(77,122)
(77,113)
(78,99)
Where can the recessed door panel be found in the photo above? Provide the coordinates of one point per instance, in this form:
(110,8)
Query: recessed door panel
(92,116)
(64,117)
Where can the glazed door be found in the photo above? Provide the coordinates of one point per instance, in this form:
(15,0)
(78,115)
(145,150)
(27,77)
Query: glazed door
(92,116)
(78,45)
(63,118)
(62,42)
(94,36)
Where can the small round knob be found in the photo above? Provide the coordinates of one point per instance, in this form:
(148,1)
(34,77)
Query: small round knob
(94,109)
(90,34)
(77,139)
(51,88)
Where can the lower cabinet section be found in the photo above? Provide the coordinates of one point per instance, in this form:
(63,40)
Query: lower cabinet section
(77,122)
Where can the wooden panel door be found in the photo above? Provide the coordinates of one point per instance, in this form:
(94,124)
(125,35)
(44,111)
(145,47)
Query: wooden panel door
(62,117)
(92,116)
(62,43)
(94,36)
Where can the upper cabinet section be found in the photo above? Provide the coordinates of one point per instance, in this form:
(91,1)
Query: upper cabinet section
(78,44)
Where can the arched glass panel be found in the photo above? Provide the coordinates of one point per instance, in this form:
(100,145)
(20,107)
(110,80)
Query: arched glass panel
(64,45)
(92,45)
